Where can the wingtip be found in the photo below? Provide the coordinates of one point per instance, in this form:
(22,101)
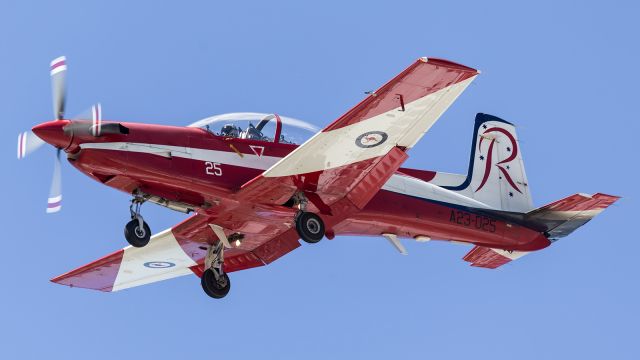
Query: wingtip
(447,63)
(603,195)
(98,275)
(605,199)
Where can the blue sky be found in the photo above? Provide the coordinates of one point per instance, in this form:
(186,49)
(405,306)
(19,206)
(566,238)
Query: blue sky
(563,72)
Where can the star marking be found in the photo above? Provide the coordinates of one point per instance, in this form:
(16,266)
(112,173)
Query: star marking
(481,157)
(510,194)
(508,167)
(508,148)
(484,126)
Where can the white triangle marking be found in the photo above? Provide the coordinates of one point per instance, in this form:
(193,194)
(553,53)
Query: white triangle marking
(258,150)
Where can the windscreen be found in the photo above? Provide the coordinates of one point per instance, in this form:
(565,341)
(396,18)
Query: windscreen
(258,126)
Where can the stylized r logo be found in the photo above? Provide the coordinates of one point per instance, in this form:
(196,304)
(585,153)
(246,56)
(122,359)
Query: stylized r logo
(513,148)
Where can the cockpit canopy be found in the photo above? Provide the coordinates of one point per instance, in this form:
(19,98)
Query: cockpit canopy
(259,127)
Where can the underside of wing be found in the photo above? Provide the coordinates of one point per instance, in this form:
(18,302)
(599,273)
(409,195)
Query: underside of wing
(161,259)
(175,252)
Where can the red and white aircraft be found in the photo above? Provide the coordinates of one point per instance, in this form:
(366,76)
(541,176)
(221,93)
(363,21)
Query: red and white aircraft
(256,188)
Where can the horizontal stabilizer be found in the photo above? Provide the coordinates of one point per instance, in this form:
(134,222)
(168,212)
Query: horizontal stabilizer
(489,258)
(562,217)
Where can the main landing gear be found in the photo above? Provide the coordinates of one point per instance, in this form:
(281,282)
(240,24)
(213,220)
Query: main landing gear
(215,282)
(137,231)
(309,226)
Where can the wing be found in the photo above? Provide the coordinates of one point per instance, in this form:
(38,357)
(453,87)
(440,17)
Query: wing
(176,252)
(355,155)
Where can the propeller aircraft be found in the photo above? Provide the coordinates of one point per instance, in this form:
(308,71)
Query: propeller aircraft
(256,184)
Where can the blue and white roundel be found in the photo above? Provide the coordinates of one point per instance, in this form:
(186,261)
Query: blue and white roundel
(159,264)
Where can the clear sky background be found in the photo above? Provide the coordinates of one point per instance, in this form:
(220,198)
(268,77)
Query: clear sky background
(564,72)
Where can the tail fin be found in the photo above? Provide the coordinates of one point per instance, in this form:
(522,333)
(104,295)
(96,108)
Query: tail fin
(562,217)
(496,174)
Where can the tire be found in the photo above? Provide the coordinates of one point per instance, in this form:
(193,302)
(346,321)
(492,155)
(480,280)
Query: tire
(135,236)
(212,288)
(310,227)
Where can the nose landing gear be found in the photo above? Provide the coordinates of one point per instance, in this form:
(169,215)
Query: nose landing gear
(137,232)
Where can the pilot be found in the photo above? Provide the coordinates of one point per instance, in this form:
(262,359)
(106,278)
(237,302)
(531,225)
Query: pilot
(229,131)
(252,133)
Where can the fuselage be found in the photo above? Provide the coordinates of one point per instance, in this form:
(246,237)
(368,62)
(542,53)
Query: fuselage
(195,169)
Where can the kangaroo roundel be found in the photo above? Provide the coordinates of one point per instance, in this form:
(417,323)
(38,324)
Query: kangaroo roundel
(371,139)
(159,264)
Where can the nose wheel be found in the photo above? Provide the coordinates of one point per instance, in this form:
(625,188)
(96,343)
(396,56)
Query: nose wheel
(137,232)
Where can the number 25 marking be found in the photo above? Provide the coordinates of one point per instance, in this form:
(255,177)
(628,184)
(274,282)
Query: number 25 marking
(212,168)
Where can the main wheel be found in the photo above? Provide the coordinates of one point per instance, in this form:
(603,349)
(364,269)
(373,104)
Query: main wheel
(310,227)
(216,288)
(135,235)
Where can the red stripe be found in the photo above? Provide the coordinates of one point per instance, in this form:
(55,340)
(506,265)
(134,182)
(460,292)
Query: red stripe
(58,64)
(52,205)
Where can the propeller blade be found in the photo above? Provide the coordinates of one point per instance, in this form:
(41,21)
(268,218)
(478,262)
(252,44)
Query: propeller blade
(96,117)
(28,142)
(58,72)
(54,203)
